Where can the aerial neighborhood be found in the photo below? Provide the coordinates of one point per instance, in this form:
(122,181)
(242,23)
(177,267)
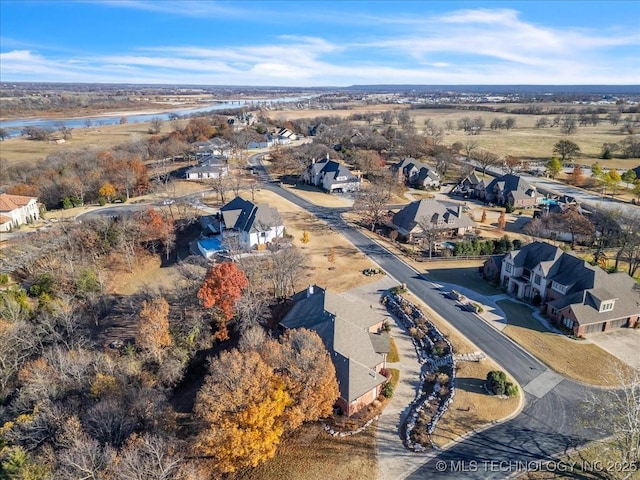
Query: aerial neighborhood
(374,284)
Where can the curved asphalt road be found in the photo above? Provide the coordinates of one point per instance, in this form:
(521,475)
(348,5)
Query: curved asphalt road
(551,421)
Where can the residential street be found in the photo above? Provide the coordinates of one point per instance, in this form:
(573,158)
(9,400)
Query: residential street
(551,421)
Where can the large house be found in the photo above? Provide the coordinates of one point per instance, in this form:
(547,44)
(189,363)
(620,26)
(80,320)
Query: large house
(215,146)
(471,186)
(417,174)
(353,335)
(253,225)
(513,190)
(16,210)
(332,176)
(448,219)
(212,166)
(574,294)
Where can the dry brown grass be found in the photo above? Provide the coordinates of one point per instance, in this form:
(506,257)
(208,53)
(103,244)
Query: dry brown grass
(585,362)
(472,407)
(147,273)
(20,150)
(318,197)
(313,455)
(346,272)
(524,141)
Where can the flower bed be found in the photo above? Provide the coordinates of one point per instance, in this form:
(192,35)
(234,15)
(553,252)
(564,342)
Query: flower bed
(435,354)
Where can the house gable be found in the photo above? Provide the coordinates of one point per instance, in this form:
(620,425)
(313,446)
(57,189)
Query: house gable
(347,336)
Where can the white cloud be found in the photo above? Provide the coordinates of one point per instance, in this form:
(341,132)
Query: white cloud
(462,47)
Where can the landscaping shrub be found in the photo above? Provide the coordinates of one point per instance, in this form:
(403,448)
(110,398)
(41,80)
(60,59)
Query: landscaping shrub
(512,389)
(496,382)
(387,390)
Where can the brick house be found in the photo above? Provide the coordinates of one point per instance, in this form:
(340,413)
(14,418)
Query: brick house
(513,190)
(580,297)
(353,335)
(448,219)
(415,173)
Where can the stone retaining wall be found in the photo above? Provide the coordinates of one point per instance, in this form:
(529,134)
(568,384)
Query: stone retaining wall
(424,342)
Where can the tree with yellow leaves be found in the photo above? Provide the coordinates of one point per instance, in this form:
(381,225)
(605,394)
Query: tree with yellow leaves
(107,190)
(305,237)
(308,373)
(240,407)
(153,327)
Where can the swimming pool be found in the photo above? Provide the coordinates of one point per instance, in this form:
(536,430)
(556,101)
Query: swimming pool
(549,201)
(211,244)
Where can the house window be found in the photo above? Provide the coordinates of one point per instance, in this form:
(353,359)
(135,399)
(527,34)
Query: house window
(606,307)
(558,288)
(537,279)
(508,267)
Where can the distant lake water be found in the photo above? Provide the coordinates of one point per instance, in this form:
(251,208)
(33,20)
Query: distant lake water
(14,127)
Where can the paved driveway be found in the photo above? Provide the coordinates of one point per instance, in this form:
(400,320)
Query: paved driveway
(393,458)
(623,343)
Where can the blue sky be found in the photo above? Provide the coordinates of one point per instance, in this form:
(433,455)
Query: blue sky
(328,43)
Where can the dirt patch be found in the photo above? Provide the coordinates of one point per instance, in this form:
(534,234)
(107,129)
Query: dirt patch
(580,360)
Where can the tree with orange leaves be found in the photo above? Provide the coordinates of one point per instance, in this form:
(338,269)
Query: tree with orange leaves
(502,220)
(157,227)
(221,288)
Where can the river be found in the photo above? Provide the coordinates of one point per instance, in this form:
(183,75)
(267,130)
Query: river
(14,127)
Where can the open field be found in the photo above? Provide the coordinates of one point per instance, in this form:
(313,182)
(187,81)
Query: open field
(346,272)
(580,360)
(524,141)
(19,150)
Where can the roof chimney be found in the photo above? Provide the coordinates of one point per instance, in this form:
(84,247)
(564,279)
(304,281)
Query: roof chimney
(459,211)
(309,291)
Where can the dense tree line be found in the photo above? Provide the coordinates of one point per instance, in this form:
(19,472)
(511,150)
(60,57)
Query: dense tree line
(70,409)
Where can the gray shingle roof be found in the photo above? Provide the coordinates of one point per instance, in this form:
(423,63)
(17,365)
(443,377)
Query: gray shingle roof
(587,285)
(343,328)
(510,184)
(243,215)
(408,218)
